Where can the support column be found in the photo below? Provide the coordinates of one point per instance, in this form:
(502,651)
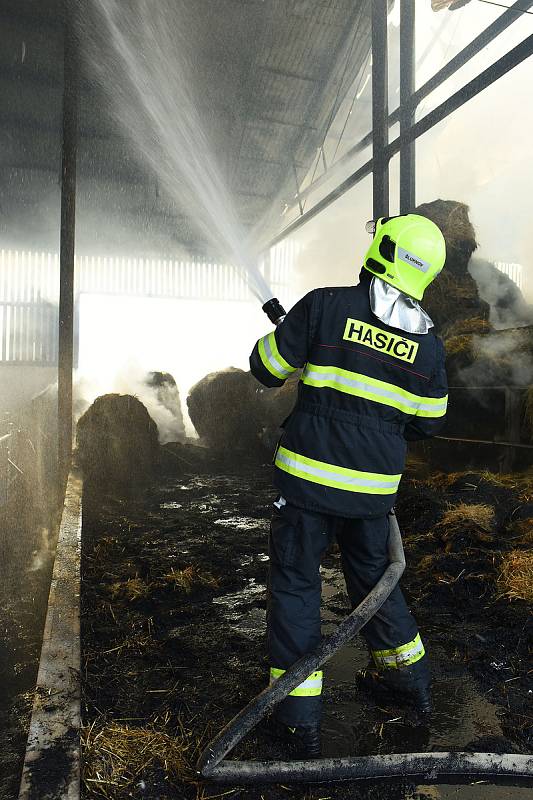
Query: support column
(66,258)
(380,109)
(407,107)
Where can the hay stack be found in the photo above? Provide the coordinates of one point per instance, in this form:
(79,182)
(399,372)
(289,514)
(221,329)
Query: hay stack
(117,442)
(453,296)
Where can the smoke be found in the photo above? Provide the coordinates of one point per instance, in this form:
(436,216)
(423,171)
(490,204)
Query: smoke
(508,307)
(162,403)
(122,339)
(502,359)
(331,247)
(42,557)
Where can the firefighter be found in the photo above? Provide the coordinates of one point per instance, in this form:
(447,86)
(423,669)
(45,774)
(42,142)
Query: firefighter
(373,379)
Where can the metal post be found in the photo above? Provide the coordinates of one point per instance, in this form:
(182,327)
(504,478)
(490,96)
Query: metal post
(66,268)
(513,397)
(297,184)
(380,109)
(407,107)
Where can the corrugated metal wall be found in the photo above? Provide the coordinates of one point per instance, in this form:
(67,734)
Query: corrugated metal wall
(29,288)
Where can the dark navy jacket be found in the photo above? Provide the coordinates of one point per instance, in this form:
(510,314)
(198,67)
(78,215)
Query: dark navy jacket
(365,389)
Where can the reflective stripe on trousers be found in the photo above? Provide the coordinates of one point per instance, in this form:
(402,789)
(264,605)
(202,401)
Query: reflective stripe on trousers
(363,386)
(272,359)
(311,687)
(402,656)
(351,480)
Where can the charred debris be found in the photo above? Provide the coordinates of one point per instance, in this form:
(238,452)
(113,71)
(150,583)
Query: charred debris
(174,562)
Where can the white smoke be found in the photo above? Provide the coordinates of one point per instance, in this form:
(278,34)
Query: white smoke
(131,379)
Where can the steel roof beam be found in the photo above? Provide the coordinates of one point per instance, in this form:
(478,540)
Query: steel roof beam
(463,57)
(486,78)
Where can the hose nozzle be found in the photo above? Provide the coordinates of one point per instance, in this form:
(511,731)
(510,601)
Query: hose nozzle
(274,311)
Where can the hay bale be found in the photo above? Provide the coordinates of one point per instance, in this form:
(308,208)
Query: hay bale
(515,580)
(225,411)
(454,294)
(233,412)
(117,443)
(452,218)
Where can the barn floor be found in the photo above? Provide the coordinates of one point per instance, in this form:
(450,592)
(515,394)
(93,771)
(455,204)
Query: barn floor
(173,624)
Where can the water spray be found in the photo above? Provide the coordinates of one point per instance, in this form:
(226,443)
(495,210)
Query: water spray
(274,311)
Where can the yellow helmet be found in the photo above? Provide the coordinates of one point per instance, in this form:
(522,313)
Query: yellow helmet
(408,252)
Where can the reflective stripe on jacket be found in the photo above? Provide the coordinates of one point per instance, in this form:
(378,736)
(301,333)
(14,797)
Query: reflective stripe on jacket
(365,389)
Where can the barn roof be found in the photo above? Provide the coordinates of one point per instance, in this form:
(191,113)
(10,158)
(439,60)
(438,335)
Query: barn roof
(272,74)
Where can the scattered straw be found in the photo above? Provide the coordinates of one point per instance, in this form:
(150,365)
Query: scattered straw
(137,642)
(132,589)
(184,580)
(427,562)
(515,580)
(189,578)
(519,482)
(475,519)
(116,757)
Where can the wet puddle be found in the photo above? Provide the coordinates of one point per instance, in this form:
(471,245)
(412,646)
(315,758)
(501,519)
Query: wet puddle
(240,523)
(240,618)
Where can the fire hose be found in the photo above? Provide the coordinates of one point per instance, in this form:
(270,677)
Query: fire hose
(433,766)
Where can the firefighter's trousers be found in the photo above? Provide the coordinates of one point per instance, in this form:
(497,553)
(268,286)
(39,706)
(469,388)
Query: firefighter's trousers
(298,539)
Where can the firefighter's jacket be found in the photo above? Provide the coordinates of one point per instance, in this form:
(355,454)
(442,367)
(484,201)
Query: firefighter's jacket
(365,389)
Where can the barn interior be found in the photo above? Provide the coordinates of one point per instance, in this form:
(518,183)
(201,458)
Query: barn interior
(168,168)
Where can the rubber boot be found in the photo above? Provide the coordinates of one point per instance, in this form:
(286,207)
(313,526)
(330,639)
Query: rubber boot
(304,739)
(412,682)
